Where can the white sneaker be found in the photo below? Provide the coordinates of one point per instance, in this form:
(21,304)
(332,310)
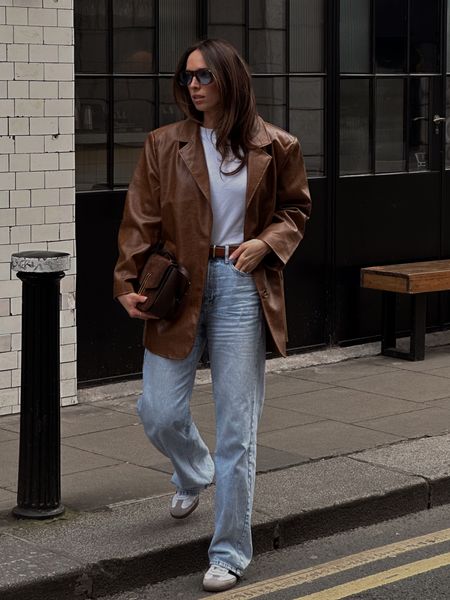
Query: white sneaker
(218,579)
(183,504)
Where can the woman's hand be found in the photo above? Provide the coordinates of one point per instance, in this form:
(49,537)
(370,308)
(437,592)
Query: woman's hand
(129,301)
(249,255)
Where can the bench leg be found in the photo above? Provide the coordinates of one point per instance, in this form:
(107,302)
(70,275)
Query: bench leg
(418,326)
(388,322)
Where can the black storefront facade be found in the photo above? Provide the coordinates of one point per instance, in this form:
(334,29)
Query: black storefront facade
(364,84)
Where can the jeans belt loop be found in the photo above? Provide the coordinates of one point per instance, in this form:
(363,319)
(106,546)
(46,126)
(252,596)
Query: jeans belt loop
(227,253)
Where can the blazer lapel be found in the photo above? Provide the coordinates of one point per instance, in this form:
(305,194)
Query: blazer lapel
(258,161)
(194,158)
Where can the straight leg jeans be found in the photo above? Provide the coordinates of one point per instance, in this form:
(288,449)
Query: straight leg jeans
(232,326)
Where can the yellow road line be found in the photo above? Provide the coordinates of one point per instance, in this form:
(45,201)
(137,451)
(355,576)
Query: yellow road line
(345,563)
(379,579)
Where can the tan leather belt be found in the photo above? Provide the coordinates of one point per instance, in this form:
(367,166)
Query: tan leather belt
(220,251)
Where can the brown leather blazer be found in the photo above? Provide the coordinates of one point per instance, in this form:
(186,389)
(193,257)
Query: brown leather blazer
(169,198)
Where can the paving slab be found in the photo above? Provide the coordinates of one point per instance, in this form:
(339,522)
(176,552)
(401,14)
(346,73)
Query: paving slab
(428,458)
(325,438)
(434,358)
(441,371)
(270,459)
(129,444)
(6,436)
(91,490)
(8,499)
(343,404)
(409,385)
(282,385)
(348,369)
(81,419)
(426,421)
(442,402)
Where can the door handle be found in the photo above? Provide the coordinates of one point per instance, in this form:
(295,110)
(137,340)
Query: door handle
(437,120)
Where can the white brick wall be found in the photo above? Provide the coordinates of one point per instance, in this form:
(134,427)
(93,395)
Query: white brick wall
(37,170)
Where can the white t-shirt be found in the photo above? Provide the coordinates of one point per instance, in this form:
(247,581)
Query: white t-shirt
(227,194)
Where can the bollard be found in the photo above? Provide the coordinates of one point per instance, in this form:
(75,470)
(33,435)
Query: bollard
(39,483)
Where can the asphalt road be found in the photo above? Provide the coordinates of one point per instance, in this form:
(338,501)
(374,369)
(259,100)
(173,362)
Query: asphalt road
(406,558)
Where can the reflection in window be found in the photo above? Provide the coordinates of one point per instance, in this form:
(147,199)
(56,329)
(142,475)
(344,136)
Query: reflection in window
(419,125)
(355,36)
(271,99)
(91,36)
(134,117)
(425,33)
(390,35)
(306,120)
(134,35)
(168,110)
(226,20)
(355,148)
(90,134)
(306,35)
(389,134)
(267,36)
(177,31)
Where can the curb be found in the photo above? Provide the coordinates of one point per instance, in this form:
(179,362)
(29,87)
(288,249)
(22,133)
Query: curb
(96,579)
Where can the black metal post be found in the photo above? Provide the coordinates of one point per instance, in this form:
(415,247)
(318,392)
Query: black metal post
(39,483)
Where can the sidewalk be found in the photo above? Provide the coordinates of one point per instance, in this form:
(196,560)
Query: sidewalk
(340,445)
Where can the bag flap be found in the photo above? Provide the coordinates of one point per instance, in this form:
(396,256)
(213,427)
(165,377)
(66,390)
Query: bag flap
(153,272)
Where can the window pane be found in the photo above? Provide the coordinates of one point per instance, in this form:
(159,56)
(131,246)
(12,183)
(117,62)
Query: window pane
(306,35)
(391,20)
(306,119)
(419,125)
(271,99)
(226,20)
(134,117)
(447,128)
(389,135)
(355,147)
(133,36)
(168,110)
(90,134)
(267,36)
(425,33)
(177,31)
(91,36)
(355,36)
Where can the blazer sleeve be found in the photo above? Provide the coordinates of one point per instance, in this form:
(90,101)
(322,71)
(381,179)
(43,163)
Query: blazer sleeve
(141,222)
(293,209)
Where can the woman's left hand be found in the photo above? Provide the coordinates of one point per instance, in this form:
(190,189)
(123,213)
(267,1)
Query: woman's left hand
(249,255)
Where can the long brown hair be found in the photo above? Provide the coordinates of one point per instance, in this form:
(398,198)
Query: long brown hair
(237,121)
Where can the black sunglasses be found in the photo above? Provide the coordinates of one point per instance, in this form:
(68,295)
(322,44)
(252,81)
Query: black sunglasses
(203,76)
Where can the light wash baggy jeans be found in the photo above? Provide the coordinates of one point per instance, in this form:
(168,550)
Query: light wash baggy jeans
(232,326)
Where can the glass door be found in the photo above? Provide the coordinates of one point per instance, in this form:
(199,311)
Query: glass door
(392,129)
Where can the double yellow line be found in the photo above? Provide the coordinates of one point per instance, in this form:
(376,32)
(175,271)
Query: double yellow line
(269,586)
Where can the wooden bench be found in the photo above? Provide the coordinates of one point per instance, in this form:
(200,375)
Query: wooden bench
(415,279)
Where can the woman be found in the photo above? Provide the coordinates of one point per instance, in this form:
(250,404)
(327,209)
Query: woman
(228,195)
